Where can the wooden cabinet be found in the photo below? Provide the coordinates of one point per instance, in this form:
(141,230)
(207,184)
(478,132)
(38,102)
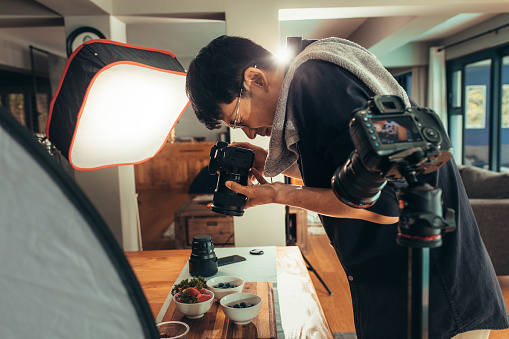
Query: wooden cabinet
(299,220)
(220,228)
(175,166)
(193,218)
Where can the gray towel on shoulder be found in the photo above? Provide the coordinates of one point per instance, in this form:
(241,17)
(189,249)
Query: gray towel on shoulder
(346,54)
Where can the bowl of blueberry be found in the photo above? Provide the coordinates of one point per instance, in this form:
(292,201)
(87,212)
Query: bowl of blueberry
(241,308)
(225,285)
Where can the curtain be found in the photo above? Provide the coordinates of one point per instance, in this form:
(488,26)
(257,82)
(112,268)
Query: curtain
(419,85)
(437,90)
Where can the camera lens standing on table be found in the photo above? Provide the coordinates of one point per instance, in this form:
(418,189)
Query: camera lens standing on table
(203,260)
(233,163)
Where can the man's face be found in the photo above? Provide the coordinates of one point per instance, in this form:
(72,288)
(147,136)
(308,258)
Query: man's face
(250,114)
(254,113)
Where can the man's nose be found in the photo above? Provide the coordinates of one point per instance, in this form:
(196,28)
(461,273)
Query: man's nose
(250,132)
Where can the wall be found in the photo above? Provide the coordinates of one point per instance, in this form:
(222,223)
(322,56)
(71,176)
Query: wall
(480,43)
(111,190)
(260,225)
(189,126)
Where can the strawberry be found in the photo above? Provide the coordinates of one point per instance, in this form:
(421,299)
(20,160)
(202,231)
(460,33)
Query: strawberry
(203,297)
(193,291)
(202,290)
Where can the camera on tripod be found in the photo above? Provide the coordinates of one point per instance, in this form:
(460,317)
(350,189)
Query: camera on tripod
(390,140)
(232,163)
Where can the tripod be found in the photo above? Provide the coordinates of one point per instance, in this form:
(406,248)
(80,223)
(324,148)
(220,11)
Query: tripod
(290,241)
(420,228)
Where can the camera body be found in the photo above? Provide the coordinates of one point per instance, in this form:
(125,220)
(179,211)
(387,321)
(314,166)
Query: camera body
(233,164)
(389,138)
(386,134)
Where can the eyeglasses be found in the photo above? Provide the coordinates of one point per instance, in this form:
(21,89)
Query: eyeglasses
(235,125)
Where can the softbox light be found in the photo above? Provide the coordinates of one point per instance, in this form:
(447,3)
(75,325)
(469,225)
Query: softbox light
(116,104)
(62,273)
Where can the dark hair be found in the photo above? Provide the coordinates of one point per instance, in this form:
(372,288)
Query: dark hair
(215,75)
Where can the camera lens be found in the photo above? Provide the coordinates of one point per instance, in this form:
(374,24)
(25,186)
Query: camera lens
(225,200)
(202,246)
(355,185)
(203,260)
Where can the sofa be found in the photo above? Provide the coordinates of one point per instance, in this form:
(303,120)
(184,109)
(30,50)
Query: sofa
(488,193)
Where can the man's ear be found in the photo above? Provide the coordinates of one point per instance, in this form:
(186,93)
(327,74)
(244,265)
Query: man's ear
(255,78)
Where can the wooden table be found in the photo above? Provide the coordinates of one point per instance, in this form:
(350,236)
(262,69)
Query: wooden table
(301,313)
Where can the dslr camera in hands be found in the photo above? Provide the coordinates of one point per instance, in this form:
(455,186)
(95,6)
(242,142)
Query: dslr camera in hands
(232,163)
(390,140)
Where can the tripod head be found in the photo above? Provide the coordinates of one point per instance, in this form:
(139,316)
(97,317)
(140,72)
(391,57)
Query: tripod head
(422,216)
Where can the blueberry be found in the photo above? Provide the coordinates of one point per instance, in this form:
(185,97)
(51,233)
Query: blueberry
(221,285)
(227,285)
(236,306)
(243,305)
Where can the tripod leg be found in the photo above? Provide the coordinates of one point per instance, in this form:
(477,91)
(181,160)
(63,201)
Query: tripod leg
(418,293)
(311,268)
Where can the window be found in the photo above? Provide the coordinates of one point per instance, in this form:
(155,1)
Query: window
(16,105)
(17,95)
(405,80)
(42,105)
(478,108)
(504,117)
(476,117)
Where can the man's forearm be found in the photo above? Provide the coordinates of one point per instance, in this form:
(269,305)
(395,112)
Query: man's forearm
(319,200)
(324,201)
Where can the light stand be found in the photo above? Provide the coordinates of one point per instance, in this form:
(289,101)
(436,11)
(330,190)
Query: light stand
(291,242)
(420,228)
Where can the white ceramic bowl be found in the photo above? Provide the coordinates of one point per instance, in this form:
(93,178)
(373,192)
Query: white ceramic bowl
(241,316)
(212,284)
(197,310)
(173,329)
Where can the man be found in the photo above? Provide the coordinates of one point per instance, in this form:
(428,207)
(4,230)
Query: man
(306,111)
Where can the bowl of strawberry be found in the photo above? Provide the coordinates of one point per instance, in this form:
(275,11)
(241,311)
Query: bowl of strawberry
(192,299)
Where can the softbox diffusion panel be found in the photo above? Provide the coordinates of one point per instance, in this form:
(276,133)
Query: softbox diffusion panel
(62,274)
(116,104)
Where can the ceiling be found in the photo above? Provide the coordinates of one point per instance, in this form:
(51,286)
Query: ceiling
(381,29)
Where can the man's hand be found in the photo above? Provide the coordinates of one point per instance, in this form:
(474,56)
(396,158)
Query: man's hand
(261,194)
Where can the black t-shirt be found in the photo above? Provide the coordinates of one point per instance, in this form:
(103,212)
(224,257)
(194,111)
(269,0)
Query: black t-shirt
(462,277)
